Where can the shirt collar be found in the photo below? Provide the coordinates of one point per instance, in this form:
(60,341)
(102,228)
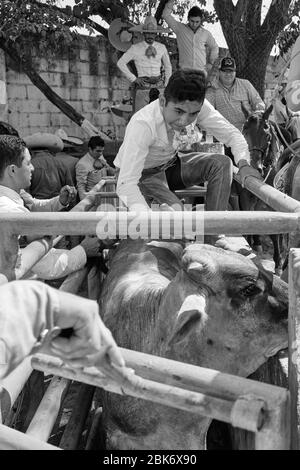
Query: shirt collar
(11,194)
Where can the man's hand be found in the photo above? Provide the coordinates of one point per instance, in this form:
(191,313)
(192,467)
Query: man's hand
(67,195)
(139,81)
(85,333)
(245,170)
(91,245)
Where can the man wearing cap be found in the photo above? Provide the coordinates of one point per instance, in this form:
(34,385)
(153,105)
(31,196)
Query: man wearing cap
(230,95)
(148,56)
(196,46)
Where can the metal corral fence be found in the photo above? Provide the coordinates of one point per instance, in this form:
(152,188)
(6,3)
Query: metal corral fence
(257,407)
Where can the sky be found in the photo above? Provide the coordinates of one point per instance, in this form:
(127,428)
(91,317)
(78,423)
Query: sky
(215,29)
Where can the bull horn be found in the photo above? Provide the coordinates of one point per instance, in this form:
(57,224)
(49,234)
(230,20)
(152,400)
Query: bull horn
(195,267)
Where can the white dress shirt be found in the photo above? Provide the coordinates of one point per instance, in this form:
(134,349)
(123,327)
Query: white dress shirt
(192,46)
(56,263)
(146,66)
(147,145)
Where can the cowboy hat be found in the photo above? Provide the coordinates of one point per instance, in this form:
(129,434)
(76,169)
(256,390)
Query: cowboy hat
(150,26)
(68,139)
(119,35)
(44,140)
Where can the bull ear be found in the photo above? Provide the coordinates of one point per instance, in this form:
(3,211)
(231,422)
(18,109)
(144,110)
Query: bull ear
(189,316)
(267,112)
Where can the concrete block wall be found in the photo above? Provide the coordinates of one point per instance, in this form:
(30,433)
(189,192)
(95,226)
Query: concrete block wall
(86,76)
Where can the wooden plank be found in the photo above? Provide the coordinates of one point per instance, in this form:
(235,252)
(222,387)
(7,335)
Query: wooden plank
(95,440)
(204,405)
(294,344)
(271,196)
(74,429)
(230,222)
(46,414)
(10,439)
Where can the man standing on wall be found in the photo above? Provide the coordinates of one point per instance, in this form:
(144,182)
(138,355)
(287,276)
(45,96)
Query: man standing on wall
(148,56)
(196,46)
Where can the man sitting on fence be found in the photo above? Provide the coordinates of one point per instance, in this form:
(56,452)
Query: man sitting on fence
(151,166)
(91,168)
(15,175)
(29,307)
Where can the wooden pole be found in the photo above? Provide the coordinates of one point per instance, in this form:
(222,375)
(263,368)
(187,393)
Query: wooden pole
(271,196)
(75,426)
(204,405)
(46,414)
(12,386)
(10,439)
(294,344)
(117,223)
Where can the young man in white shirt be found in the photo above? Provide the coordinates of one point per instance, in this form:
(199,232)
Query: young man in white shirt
(196,45)
(15,175)
(149,160)
(148,56)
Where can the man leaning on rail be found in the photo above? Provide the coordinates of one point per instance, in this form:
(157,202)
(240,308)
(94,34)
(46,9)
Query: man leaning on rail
(32,318)
(15,176)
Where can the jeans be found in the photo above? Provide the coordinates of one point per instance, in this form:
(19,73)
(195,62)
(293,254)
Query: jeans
(191,169)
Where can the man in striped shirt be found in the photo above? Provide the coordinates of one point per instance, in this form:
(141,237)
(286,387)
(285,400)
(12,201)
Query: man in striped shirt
(230,95)
(196,46)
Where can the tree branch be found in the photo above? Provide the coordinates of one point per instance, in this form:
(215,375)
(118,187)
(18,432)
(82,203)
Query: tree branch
(38,81)
(278,15)
(66,12)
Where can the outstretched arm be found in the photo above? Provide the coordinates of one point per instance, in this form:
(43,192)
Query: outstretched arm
(167,16)
(27,308)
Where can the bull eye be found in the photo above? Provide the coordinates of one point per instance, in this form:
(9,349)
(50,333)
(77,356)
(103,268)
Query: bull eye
(250,291)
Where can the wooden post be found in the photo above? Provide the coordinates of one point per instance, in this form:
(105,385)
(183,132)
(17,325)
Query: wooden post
(74,223)
(10,439)
(75,426)
(294,343)
(46,414)
(203,404)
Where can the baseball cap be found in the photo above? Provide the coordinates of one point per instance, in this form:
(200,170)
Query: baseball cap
(227,63)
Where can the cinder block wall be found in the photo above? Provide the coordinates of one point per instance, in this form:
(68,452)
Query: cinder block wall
(86,76)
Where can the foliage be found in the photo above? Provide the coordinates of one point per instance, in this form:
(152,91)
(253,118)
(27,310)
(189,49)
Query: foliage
(23,23)
(288,36)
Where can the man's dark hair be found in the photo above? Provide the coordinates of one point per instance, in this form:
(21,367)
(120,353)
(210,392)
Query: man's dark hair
(11,152)
(195,11)
(7,129)
(95,141)
(186,85)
